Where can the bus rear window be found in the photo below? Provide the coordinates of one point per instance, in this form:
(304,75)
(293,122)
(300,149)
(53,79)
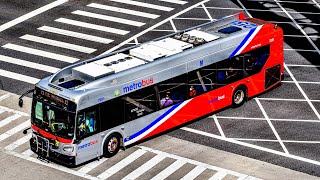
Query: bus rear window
(229,30)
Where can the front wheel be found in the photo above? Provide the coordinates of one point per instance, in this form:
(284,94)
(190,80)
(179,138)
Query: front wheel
(239,97)
(111,145)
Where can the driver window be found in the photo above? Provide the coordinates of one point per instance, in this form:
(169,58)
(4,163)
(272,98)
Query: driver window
(87,123)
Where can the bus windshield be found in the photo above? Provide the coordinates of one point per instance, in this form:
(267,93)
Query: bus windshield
(51,116)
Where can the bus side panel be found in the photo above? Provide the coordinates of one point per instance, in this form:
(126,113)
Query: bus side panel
(195,108)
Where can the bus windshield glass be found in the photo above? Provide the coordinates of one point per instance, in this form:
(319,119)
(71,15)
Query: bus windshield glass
(53,115)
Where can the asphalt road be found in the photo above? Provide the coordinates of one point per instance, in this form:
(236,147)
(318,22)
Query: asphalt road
(284,130)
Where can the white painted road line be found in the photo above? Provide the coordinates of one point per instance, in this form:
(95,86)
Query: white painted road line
(38,52)
(75,34)
(18,142)
(144,168)
(88,167)
(52,165)
(316,3)
(28,64)
(154,26)
(27,152)
(92,26)
(31,14)
(207,12)
(175,1)
(2,111)
(218,176)
(169,170)
(5,96)
(298,26)
(58,44)
(194,173)
(18,77)
(271,126)
(109,18)
(2,108)
(9,119)
(251,146)
(124,11)
(302,92)
(303,65)
(120,165)
(14,130)
(218,125)
(146,5)
(173,26)
(302,82)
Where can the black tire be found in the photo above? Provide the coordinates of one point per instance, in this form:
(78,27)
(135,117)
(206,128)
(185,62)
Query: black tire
(239,96)
(111,145)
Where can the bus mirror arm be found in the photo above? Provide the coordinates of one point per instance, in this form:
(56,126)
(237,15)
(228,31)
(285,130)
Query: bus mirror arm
(24,94)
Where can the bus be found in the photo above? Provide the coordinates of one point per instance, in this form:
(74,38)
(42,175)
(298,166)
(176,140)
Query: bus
(93,108)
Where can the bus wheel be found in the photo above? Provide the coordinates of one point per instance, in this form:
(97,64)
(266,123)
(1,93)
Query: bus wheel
(111,145)
(239,96)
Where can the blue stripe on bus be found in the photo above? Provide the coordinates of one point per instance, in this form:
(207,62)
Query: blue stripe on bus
(243,42)
(152,124)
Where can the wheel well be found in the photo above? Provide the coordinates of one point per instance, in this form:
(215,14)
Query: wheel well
(112,133)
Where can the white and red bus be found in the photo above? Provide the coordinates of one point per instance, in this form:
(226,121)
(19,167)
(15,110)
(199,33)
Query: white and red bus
(93,108)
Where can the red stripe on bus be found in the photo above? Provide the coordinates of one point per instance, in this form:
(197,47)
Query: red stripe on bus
(50,136)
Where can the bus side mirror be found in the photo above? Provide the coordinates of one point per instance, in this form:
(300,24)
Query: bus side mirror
(20,103)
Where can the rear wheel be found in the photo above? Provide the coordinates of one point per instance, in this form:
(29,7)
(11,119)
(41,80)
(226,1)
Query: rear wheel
(239,96)
(111,145)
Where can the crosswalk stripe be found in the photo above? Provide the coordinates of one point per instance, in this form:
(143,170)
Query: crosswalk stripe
(18,142)
(108,18)
(14,130)
(28,64)
(175,1)
(38,52)
(169,170)
(2,108)
(117,167)
(28,152)
(10,119)
(4,96)
(219,175)
(58,43)
(88,167)
(2,111)
(18,77)
(146,5)
(194,173)
(124,11)
(145,167)
(75,34)
(92,26)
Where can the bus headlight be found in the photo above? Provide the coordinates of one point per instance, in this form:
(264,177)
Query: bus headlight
(68,148)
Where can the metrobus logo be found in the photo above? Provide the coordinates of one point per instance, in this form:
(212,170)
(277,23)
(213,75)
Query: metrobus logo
(88,144)
(138,85)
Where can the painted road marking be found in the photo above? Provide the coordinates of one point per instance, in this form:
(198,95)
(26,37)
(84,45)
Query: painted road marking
(108,18)
(120,165)
(251,146)
(92,26)
(9,119)
(18,142)
(194,173)
(175,1)
(2,108)
(42,53)
(31,14)
(146,5)
(145,167)
(88,167)
(14,130)
(124,11)
(75,34)
(18,77)
(169,170)
(58,44)
(218,176)
(216,121)
(28,64)
(28,152)
(4,96)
